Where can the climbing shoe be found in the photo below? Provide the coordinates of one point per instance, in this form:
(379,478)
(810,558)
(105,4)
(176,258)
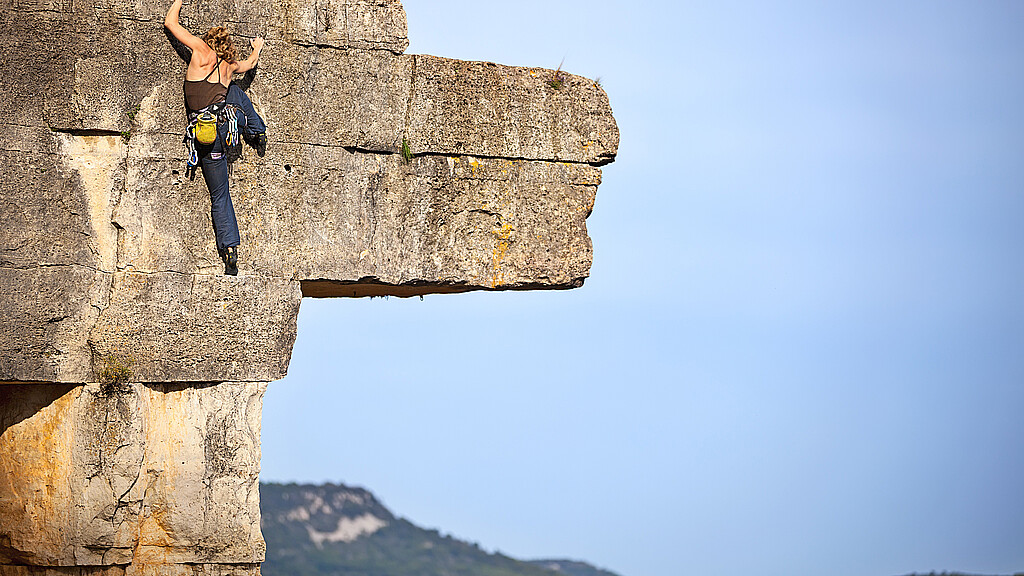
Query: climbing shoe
(230,257)
(259,142)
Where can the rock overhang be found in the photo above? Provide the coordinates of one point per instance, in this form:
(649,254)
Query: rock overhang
(111,252)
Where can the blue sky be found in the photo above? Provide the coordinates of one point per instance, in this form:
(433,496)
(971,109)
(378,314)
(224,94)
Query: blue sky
(801,348)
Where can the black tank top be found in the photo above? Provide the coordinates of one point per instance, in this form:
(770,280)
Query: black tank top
(200,93)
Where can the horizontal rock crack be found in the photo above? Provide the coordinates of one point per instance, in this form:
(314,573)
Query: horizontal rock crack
(343,48)
(358,150)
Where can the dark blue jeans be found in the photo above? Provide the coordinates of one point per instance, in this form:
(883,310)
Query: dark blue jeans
(215,173)
(215,169)
(249,122)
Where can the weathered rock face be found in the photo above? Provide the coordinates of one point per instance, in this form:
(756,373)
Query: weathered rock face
(107,251)
(153,473)
(497,197)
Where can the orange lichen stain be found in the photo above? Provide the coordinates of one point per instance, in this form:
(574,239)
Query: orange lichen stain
(36,467)
(166,444)
(502,234)
(152,555)
(166,460)
(474,164)
(153,532)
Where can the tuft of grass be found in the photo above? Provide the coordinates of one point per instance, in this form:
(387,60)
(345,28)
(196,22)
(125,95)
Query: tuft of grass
(597,82)
(126,135)
(406,151)
(116,371)
(559,79)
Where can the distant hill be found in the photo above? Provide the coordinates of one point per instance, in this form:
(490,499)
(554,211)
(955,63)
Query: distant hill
(335,530)
(571,568)
(953,574)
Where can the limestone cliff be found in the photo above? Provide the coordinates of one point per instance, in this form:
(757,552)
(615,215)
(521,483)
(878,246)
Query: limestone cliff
(106,249)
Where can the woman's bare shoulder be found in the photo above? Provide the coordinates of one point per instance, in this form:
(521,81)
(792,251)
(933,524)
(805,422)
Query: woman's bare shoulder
(201,63)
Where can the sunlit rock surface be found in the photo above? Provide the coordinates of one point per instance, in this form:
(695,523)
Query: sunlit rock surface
(152,474)
(107,251)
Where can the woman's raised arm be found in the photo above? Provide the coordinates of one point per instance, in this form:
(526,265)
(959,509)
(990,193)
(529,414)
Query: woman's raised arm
(179,32)
(243,66)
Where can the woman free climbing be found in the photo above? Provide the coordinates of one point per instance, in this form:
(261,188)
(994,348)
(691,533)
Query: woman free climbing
(217,108)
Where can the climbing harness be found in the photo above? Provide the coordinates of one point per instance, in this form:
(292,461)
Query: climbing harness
(203,124)
(202,130)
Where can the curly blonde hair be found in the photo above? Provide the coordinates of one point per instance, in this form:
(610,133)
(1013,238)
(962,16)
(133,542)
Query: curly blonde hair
(219,39)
